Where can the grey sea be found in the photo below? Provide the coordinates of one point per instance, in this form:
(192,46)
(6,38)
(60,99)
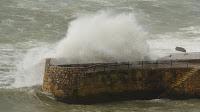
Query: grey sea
(30,30)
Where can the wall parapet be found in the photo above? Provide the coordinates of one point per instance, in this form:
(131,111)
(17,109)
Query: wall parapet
(83,83)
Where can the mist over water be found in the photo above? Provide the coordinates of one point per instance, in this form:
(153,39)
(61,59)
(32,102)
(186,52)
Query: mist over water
(31,69)
(104,37)
(92,38)
(89,31)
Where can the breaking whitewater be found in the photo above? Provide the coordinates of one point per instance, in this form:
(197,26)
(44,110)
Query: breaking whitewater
(89,31)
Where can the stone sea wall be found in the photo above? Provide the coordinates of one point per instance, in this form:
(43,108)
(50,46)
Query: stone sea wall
(85,85)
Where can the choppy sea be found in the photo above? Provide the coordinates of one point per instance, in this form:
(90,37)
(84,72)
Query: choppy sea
(89,30)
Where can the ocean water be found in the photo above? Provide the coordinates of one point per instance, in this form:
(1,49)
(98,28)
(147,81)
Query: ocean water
(89,31)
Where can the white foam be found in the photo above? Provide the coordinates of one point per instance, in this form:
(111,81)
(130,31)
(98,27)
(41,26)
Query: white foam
(31,68)
(103,37)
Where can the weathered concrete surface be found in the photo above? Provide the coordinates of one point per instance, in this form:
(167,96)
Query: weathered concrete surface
(96,84)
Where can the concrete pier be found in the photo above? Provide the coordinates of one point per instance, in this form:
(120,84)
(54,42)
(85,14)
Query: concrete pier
(101,82)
